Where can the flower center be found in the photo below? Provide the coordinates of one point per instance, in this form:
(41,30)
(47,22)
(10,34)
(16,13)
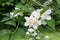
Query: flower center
(34,22)
(46,14)
(29,21)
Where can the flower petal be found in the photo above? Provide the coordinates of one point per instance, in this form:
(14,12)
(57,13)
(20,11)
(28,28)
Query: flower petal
(26,18)
(42,16)
(35,26)
(48,11)
(26,24)
(39,22)
(48,17)
(31,30)
(43,22)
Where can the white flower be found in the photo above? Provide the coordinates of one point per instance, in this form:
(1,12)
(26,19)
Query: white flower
(32,22)
(16,8)
(28,21)
(36,13)
(27,33)
(46,14)
(31,30)
(46,38)
(11,14)
(38,38)
(34,34)
(20,13)
(35,23)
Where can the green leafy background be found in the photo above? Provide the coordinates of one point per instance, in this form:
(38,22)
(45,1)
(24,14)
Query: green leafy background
(14,29)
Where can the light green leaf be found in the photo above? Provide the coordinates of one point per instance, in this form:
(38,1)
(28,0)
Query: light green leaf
(21,33)
(11,0)
(51,23)
(23,1)
(58,1)
(5,31)
(47,3)
(12,37)
(11,23)
(4,37)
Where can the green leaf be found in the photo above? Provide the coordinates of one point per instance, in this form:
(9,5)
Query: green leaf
(58,1)
(4,19)
(21,33)
(47,3)
(21,20)
(44,9)
(23,1)
(51,23)
(11,0)
(5,31)
(8,3)
(4,37)
(10,22)
(12,37)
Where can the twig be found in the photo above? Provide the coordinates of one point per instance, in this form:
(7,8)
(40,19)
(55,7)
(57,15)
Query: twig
(16,29)
(37,3)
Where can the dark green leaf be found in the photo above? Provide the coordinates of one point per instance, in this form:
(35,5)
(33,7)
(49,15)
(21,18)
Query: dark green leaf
(4,19)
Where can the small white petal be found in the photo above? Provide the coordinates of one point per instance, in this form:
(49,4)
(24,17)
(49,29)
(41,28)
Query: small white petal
(48,17)
(16,14)
(16,8)
(26,18)
(43,21)
(26,24)
(35,27)
(30,39)
(38,10)
(31,17)
(43,16)
(38,38)
(11,13)
(21,14)
(27,33)
(31,30)
(50,0)
(39,22)
(46,38)
(34,34)
(36,14)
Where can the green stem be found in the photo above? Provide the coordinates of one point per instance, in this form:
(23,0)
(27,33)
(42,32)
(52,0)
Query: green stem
(16,29)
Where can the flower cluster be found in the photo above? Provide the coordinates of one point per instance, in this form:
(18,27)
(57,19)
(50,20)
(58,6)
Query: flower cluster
(36,19)
(14,14)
